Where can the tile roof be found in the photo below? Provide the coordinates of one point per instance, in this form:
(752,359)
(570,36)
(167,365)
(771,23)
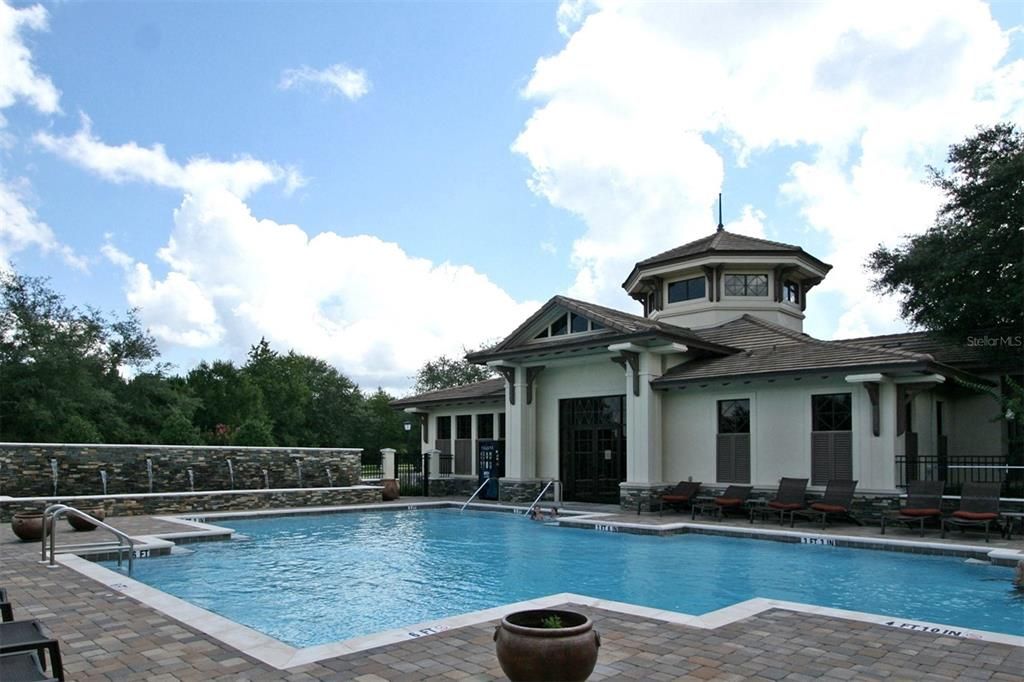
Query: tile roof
(481,390)
(726,242)
(771,349)
(618,324)
(748,332)
(794,358)
(924,342)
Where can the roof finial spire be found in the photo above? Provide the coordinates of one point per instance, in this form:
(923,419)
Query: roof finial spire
(720,225)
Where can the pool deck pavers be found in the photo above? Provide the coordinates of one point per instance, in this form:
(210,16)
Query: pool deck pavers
(105,635)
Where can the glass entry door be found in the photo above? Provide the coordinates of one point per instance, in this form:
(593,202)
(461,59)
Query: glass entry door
(592,460)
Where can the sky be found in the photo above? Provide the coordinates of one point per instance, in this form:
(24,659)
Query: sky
(377,184)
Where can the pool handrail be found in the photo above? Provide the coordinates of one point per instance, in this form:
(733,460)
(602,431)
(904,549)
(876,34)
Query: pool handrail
(473,496)
(54,512)
(549,484)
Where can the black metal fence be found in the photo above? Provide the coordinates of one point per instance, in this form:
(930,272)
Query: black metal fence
(955,470)
(372,468)
(408,470)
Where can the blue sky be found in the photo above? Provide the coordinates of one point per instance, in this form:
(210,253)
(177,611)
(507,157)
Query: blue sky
(469,160)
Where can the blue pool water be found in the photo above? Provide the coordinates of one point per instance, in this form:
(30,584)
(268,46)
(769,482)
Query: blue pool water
(314,579)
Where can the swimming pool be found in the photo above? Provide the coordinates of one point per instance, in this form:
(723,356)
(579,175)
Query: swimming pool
(309,580)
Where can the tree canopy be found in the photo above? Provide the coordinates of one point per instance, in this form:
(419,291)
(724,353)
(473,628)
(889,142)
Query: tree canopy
(964,276)
(446,372)
(73,375)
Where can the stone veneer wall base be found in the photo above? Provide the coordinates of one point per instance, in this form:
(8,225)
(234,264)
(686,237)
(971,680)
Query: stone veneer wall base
(184,503)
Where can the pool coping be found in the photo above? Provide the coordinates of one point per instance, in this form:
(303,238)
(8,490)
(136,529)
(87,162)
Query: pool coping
(280,655)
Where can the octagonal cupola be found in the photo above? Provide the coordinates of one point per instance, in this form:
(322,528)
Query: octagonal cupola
(723,276)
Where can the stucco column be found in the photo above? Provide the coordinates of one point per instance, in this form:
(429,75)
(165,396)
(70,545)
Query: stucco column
(886,475)
(520,430)
(387,463)
(643,423)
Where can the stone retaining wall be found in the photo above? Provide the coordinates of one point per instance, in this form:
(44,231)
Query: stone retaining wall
(455,486)
(130,505)
(26,469)
(523,491)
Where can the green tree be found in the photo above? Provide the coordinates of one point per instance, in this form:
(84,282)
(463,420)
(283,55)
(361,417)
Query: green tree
(334,404)
(964,277)
(177,429)
(149,400)
(446,372)
(226,397)
(255,432)
(61,366)
(286,396)
(382,424)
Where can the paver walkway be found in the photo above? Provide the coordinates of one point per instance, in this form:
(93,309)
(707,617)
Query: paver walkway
(107,636)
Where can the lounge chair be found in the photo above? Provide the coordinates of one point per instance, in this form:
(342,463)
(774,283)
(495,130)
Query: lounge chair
(23,667)
(979,506)
(733,499)
(681,495)
(791,497)
(6,612)
(924,502)
(837,502)
(28,635)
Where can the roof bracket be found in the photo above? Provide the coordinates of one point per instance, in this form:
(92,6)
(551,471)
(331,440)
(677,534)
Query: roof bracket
(531,376)
(509,373)
(633,360)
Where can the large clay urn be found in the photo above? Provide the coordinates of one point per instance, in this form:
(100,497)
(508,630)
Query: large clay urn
(390,491)
(28,525)
(547,645)
(81,524)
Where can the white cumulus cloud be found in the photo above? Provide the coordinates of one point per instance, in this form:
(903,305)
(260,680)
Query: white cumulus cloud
(20,225)
(364,304)
(337,78)
(864,95)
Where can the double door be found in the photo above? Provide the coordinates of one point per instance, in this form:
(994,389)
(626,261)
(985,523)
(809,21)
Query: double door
(592,460)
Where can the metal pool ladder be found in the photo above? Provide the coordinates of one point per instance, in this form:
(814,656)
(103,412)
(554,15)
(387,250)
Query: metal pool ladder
(473,496)
(550,483)
(55,511)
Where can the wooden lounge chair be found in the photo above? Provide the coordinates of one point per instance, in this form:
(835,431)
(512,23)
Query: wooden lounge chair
(837,502)
(28,635)
(979,506)
(681,495)
(924,502)
(732,500)
(791,497)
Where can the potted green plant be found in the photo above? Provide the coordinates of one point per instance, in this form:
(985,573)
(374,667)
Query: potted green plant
(547,644)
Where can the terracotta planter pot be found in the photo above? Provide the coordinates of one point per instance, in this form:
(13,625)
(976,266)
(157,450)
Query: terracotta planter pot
(529,651)
(81,524)
(390,491)
(28,525)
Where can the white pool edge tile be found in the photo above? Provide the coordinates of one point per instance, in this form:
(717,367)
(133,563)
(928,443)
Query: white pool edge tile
(282,656)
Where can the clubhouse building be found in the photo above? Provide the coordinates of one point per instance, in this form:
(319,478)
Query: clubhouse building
(714,382)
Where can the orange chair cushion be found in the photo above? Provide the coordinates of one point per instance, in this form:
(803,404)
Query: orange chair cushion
(829,508)
(785,506)
(976,516)
(728,501)
(917,513)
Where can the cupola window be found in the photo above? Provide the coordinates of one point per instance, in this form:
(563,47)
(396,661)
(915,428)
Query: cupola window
(746,285)
(687,290)
(791,291)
